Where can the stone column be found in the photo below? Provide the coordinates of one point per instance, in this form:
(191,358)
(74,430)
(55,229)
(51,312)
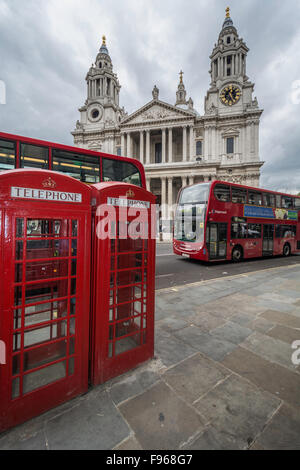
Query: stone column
(170,196)
(128,153)
(205,144)
(192,143)
(163,145)
(183,181)
(142,147)
(170,159)
(163,198)
(191,180)
(213,144)
(257,142)
(184,142)
(123,144)
(147,147)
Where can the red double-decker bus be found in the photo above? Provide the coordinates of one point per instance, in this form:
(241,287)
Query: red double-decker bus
(226,221)
(84,165)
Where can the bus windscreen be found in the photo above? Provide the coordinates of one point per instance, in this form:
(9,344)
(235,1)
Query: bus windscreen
(116,170)
(196,194)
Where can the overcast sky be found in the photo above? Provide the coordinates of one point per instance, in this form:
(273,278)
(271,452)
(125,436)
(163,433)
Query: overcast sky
(47,47)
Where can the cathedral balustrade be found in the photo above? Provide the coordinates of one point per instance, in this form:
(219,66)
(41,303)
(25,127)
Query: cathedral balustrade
(234,158)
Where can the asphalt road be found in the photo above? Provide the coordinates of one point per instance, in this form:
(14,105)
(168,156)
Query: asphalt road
(172,270)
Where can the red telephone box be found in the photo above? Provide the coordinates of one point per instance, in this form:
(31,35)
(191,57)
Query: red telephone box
(123,279)
(45,232)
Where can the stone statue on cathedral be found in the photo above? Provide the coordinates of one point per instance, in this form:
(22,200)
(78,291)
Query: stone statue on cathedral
(155,93)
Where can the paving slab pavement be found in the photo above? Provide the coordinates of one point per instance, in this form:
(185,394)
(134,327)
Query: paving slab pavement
(222,377)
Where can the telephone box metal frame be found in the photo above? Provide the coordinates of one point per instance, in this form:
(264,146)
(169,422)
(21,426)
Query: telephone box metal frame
(123,285)
(45,233)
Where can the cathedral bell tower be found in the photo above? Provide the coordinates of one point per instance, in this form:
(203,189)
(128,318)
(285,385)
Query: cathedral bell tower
(230,89)
(101,110)
(232,115)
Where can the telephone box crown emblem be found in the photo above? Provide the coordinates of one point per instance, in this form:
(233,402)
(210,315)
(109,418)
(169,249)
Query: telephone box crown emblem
(130,193)
(49,183)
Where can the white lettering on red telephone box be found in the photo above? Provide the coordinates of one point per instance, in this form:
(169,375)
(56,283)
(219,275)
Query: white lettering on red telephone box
(45,195)
(123,202)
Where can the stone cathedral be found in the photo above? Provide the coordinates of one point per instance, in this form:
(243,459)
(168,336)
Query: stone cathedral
(177,145)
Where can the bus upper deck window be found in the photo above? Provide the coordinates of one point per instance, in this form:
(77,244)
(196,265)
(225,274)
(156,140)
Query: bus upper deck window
(7,155)
(255,198)
(85,168)
(287,202)
(278,200)
(268,199)
(33,156)
(239,195)
(117,170)
(222,192)
(297,203)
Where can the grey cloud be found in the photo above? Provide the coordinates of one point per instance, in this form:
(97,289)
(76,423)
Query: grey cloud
(150,41)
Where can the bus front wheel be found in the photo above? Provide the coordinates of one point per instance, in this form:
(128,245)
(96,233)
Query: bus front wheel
(286,250)
(237,254)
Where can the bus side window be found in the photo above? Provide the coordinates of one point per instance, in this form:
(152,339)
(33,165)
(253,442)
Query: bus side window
(254,231)
(254,198)
(239,195)
(297,203)
(268,199)
(285,231)
(238,228)
(34,156)
(222,192)
(287,202)
(278,201)
(7,155)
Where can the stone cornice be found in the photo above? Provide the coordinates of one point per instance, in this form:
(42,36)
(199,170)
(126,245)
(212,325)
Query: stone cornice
(178,166)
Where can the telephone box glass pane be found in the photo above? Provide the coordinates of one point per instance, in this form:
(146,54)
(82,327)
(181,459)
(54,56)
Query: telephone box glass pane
(129,261)
(47,249)
(19,250)
(126,344)
(129,277)
(19,228)
(130,245)
(46,228)
(18,272)
(45,354)
(45,312)
(15,388)
(46,333)
(16,364)
(43,377)
(71,366)
(46,291)
(46,269)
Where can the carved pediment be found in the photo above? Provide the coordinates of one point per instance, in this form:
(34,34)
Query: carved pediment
(156,111)
(231,132)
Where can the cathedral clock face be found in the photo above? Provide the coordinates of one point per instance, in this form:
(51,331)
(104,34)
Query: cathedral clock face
(230,95)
